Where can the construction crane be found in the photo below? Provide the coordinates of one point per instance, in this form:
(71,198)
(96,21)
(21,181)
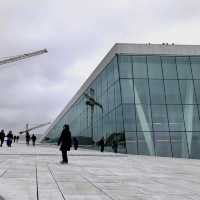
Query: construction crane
(23,56)
(33,128)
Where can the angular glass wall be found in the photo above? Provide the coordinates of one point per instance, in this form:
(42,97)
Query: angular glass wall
(90,120)
(160,96)
(148,104)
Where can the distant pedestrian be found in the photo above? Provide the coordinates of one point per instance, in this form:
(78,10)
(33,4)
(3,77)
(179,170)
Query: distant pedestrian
(101,144)
(33,138)
(65,142)
(17,138)
(115,146)
(14,138)
(2,137)
(9,138)
(75,142)
(28,137)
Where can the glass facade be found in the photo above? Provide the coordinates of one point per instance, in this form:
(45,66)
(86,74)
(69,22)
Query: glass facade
(150,105)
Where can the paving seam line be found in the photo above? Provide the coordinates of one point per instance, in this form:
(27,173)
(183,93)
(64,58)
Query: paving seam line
(1,175)
(36,177)
(98,188)
(52,174)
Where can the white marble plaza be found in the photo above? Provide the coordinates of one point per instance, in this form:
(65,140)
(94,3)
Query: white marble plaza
(29,173)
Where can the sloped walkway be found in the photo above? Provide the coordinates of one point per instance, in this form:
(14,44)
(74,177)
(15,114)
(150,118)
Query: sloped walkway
(29,173)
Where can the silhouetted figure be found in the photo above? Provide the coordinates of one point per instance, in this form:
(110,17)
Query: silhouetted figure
(2,137)
(115,146)
(14,138)
(28,137)
(75,142)
(65,142)
(9,138)
(17,138)
(101,144)
(33,138)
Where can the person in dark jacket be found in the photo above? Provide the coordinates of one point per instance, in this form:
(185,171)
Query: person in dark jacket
(65,142)
(101,144)
(2,137)
(33,138)
(28,137)
(75,142)
(9,138)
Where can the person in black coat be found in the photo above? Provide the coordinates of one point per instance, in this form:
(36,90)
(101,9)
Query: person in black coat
(101,143)
(2,136)
(65,142)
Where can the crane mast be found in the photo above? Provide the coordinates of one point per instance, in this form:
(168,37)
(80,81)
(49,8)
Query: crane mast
(23,56)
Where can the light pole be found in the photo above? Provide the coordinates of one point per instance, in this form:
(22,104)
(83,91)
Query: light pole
(92,103)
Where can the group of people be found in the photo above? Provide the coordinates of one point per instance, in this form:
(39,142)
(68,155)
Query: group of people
(28,138)
(101,143)
(65,143)
(10,138)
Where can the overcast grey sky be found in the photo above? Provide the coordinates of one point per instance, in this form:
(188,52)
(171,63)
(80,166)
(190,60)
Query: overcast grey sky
(77,35)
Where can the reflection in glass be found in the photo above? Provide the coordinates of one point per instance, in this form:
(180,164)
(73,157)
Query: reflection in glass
(183,68)
(172,92)
(157,92)
(195,64)
(163,144)
(141,90)
(127,91)
(125,67)
(176,120)
(139,67)
(159,118)
(169,67)
(154,67)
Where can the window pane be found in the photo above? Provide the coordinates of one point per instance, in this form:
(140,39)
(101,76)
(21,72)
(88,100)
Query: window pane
(195,145)
(139,67)
(191,117)
(172,92)
(131,142)
(145,143)
(195,64)
(111,101)
(187,92)
(117,94)
(115,65)
(127,91)
(154,67)
(129,117)
(183,68)
(125,67)
(176,120)
(169,67)
(197,90)
(162,144)
(143,118)
(179,144)
(119,120)
(159,118)
(141,90)
(110,74)
(157,92)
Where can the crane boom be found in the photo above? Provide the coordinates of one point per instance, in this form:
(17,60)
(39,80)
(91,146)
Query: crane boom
(35,127)
(23,56)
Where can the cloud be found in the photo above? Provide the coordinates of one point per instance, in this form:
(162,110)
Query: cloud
(77,35)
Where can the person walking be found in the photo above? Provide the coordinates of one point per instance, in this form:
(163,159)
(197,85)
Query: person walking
(101,144)
(115,146)
(65,142)
(75,142)
(2,137)
(17,138)
(9,138)
(28,137)
(33,138)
